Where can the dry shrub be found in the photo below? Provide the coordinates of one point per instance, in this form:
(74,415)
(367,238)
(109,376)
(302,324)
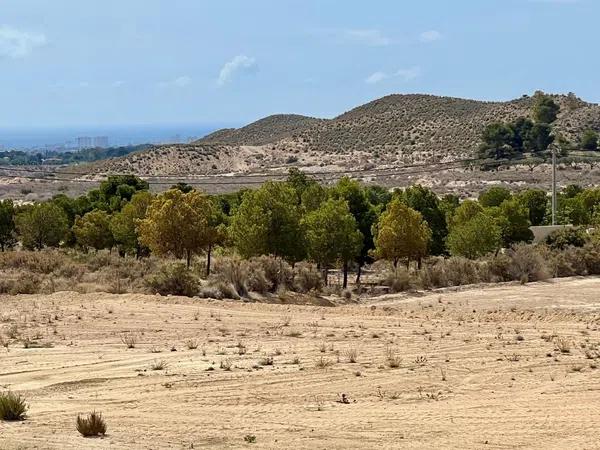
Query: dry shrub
(527,264)
(40,262)
(174,279)
(460,271)
(398,280)
(498,268)
(433,274)
(233,271)
(92,425)
(218,290)
(277,272)
(12,406)
(307,278)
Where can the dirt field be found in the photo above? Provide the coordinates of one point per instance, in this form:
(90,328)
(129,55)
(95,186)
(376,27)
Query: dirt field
(480,368)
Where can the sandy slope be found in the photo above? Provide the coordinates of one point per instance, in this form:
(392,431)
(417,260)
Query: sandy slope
(499,390)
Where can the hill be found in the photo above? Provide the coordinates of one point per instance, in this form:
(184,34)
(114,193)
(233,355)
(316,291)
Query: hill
(264,131)
(388,132)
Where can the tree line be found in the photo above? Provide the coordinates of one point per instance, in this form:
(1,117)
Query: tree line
(345,225)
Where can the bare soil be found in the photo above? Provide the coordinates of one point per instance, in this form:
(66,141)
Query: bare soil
(479,368)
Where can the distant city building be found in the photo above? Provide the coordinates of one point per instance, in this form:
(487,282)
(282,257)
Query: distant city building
(84,142)
(101,141)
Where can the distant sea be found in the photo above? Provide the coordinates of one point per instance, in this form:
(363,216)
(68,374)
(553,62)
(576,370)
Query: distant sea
(52,138)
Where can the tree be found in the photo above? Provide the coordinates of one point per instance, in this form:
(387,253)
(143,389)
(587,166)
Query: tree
(540,137)
(474,238)
(267,222)
(589,140)
(93,230)
(498,139)
(545,109)
(536,201)
(180,224)
(425,201)
(401,233)
(465,212)
(521,129)
(364,213)
(332,235)
(513,219)
(41,225)
(494,196)
(124,224)
(7,224)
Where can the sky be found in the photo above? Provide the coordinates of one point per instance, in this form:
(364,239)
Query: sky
(121,62)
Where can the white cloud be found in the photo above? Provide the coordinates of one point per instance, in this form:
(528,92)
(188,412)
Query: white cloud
(118,84)
(18,44)
(179,82)
(374,38)
(403,74)
(409,74)
(376,77)
(430,36)
(239,65)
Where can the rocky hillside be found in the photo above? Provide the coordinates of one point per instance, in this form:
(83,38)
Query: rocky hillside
(393,130)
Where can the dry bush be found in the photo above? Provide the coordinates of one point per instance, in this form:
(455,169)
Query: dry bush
(174,279)
(307,278)
(159,364)
(12,406)
(40,262)
(276,272)
(461,271)
(399,280)
(527,264)
(92,425)
(218,290)
(129,339)
(234,271)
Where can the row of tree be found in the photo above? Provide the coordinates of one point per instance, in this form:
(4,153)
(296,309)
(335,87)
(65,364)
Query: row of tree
(345,225)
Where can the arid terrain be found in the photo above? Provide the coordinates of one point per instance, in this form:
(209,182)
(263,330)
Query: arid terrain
(394,141)
(506,366)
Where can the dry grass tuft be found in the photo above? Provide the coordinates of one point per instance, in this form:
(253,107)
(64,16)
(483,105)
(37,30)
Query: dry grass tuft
(92,425)
(12,406)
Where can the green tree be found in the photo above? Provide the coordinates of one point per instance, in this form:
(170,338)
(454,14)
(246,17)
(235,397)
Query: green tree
(401,234)
(426,202)
(7,224)
(545,109)
(521,129)
(41,225)
(124,224)
(332,235)
(536,202)
(93,230)
(180,224)
(364,213)
(474,238)
(267,222)
(589,140)
(513,219)
(540,137)
(498,139)
(494,196)
(465,212)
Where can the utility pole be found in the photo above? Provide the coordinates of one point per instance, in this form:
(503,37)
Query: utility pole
(553,185)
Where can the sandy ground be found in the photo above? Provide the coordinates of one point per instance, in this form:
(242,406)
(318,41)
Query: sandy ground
(479,369)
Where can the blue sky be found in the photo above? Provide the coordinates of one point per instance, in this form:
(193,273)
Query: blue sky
(119,62)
